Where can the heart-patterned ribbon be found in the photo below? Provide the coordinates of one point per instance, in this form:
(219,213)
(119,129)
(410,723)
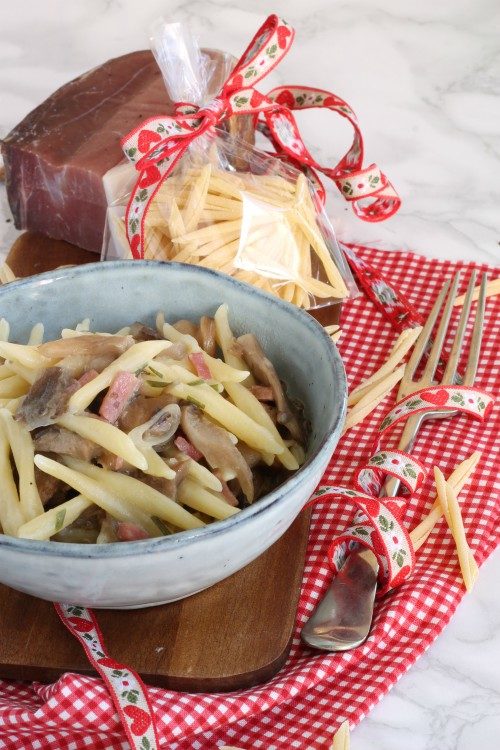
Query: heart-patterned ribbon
(378,522)
(128,692)
(156,146)
(385,297)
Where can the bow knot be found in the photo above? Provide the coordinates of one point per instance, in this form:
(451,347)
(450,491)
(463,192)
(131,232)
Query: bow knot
(156,146)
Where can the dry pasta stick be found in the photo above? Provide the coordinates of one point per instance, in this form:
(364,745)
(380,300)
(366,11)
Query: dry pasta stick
(223,255)
(451,511)
(220,183)
(301,298)
(372,399)
(248,403)
(138,495)
(196,199)
(54,520)
(305,211)
(211,232)
(212,215)
(492,288)
(403,344)
(318,288)
(95,491)
(106,435)
(317,243)
(213,245)
(229,416)
(388,381)
(154,244)
(133,359)
(11,514)
(192,494)
(457,479)
(21,445)
(341,738)
(301,196)
(334,332)
(119,234)
(287,291)
(175,222)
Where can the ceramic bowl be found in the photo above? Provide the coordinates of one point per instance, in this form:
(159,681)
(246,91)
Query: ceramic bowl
(149,572)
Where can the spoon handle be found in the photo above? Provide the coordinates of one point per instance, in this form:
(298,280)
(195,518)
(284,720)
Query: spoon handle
(343,618)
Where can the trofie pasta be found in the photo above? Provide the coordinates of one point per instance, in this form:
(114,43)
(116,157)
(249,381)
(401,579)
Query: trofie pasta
(141,433)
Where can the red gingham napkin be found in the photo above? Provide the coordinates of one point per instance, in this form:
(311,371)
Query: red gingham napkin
(315,692)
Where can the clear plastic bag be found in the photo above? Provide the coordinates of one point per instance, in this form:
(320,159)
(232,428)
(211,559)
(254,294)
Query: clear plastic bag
(233,208)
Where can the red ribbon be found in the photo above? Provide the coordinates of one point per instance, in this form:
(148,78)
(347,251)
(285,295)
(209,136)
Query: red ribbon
(156,146)
(378,523)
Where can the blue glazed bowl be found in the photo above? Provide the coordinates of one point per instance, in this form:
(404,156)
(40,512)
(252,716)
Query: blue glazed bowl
(115,294)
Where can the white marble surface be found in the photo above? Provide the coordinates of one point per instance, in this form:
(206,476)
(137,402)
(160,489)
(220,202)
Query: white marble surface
(424,79)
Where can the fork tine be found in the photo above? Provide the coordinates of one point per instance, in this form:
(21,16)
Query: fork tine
(451,367)
(477,334)
(435,353)
(425,334)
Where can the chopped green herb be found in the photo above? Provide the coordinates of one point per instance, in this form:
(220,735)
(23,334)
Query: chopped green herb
(161,525)
(155,372)
(195,402)
(60,515)
(196,382)
(156,384)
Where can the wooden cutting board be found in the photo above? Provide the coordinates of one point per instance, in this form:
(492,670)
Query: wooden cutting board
(234,635)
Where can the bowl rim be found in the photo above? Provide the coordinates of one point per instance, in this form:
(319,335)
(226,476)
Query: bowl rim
(182,539)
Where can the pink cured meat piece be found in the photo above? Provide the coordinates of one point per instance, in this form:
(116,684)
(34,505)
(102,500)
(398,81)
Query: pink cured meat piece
(197,359)
(124,386)
(130,532)
(186,447)
(87,377)
(56,158)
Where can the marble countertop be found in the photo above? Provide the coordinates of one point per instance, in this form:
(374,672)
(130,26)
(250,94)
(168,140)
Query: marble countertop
(423,79)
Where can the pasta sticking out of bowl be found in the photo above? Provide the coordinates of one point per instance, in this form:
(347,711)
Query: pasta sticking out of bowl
(142,433)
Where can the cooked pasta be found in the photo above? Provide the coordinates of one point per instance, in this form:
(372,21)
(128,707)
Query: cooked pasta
(139,433)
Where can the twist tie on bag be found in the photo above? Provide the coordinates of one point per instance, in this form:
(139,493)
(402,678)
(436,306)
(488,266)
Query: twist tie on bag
(378,523)
(155,146)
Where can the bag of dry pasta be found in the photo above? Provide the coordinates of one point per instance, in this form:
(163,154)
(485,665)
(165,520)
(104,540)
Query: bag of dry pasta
(206,196)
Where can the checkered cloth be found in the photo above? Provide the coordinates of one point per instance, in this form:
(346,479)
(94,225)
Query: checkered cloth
(314,692)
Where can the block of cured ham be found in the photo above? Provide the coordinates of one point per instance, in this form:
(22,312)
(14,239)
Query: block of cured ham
(63,162)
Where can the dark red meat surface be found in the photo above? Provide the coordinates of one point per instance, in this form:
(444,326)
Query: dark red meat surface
(55,159)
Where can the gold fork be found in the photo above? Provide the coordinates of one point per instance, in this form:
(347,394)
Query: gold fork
(342,619)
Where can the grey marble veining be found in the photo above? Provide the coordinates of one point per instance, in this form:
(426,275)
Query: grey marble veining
(424,79)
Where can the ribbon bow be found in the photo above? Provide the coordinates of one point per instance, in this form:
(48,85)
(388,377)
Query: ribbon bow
(155,146)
